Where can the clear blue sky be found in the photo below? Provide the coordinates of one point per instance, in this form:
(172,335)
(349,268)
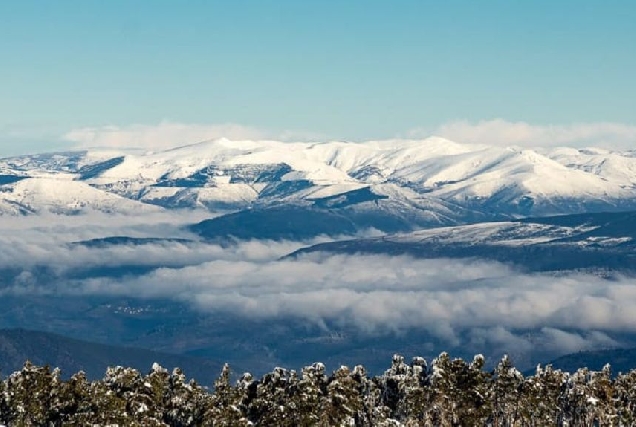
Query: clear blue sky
(343,68)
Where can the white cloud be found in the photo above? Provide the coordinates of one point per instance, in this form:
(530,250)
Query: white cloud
(501,132)
(374,294)
(478,304)
(170,134)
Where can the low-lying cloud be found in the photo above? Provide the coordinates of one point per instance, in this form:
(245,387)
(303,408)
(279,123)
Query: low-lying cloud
(379,292)
(469,303)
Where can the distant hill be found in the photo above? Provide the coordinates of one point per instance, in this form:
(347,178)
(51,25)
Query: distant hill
(621,360)
(71,356)
(585,242)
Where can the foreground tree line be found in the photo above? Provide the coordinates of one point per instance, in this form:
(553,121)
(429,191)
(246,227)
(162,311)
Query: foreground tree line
(449,392)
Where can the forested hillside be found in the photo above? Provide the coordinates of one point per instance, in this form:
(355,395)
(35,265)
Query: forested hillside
(449,392)
(70,355)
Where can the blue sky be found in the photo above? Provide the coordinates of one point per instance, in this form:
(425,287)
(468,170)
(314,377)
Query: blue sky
(311,69)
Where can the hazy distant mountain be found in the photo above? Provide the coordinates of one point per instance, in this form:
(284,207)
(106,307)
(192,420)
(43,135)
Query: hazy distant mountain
(71,356)
(621,360)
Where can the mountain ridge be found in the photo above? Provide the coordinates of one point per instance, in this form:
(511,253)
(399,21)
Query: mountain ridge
(224,175)
(583,242)
(18,345)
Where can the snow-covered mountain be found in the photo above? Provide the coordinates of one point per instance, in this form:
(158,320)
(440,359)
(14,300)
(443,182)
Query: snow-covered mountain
(61,194)
(435,181)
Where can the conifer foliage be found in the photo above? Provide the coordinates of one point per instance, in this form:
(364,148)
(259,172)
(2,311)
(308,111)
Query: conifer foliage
(448,393)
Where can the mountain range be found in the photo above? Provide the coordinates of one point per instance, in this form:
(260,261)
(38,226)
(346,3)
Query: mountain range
(394,185)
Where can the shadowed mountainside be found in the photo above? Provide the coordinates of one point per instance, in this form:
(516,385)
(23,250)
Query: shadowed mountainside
(71,355)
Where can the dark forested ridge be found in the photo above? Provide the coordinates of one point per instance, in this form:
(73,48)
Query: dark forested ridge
(621,359)
(448,392)
(71,355)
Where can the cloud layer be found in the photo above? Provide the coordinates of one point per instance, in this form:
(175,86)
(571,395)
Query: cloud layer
(472,304)
(501,132)
(378,293)
(168,134)
(489,132)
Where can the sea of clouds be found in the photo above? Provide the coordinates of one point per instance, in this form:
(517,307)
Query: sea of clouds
(463,303)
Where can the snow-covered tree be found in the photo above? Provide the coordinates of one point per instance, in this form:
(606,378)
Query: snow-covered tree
(185,403)
(31,396)
(342,402)
(541,395)
(625,399)
(450,393)
(225,404)
(506,389)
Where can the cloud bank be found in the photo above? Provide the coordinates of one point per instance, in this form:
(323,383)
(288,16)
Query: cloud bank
(468,303)
(375,293)
(505,133)
(498,132)
(168,134)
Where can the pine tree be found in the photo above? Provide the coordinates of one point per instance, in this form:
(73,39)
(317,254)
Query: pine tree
(417,396)
(442,412)
(32,396)
(112,395)
(625,398)
(540,397)
(471,392)
(505,393)
(372,411)
(394,387)
(185,403)
(274,404)
(342,401)
(601,397)
(76,405)
(311,389)
(580,400)
(225,404)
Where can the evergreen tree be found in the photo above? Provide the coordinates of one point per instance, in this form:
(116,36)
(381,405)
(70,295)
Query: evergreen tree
(270,405)
(186,403)
(76,405)
(342,402)
(31,396)
(312,387)
(224,404)
(625,398)
(442,411)
(540,397)
(416,402)
(506,389)
(579,400)
(471,391)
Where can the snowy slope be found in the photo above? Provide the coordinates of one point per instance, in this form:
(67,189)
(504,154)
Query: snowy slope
(60,194)
(429,177)
(610,165)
